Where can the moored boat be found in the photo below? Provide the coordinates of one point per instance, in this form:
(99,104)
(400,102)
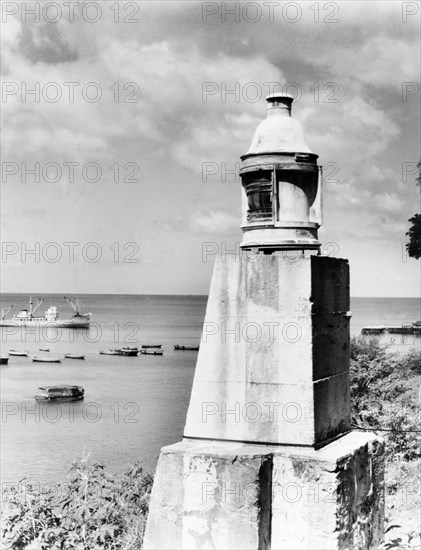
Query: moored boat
(149,346)
(109,352)
(186,348)
(18,353)
(126,352)
(73,356)
(151,352)
(4,360)
(39,359)
(60,393)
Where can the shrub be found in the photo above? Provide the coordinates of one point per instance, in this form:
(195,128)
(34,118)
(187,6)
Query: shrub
(93,510)
(384,396)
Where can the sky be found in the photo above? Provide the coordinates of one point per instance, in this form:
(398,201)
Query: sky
(120,169)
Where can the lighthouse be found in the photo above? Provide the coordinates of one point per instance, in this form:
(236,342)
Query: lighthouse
(268,457)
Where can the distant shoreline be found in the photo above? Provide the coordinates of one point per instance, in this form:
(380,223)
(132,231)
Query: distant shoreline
(66,292)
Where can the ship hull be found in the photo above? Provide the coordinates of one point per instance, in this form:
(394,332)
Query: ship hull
(62,323)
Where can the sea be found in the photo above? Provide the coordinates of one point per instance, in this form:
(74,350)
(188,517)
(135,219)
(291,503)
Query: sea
(133,406)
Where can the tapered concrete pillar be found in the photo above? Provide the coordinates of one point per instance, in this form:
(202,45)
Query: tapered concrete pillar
(273,365)
(268,460)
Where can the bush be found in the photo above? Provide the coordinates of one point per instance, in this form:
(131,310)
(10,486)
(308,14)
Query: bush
(384,396)
(93,510)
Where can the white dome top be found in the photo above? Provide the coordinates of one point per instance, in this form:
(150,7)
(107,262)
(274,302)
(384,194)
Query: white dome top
(279,133)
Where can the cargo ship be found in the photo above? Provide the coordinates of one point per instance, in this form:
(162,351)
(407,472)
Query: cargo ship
(27,318)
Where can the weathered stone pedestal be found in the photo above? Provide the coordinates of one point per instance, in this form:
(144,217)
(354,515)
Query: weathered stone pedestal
(268,460)
(226,495)
(273,365)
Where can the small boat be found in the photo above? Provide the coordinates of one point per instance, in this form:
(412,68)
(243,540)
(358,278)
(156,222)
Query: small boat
(186,348)
(44,349)
(18,353)
(148,346)
(109,352)
(126,352)
(151,352)
(39,359)
(73,356)
(4,360)
(60,393)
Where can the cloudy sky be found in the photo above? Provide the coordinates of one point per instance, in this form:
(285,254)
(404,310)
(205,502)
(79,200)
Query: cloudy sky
(132,128)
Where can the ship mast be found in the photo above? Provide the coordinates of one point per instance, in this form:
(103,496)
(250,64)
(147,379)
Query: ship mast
(5,312)
(37,306)
(72,304)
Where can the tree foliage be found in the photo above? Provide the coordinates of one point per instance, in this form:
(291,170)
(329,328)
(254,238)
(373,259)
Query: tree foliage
(413,247)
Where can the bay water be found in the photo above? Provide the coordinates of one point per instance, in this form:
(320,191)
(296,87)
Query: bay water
(133,406)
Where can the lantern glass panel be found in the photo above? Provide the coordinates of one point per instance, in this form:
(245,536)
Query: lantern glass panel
(259,197)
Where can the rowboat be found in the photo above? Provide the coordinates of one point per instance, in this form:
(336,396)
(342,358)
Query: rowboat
(151,352)
(186,348)
(18,353)
(60,393)
(39,359)
(126,352)
(148,346)
(73,356)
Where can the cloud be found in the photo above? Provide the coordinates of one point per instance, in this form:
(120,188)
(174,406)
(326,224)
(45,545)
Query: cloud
(388,202)
(215,222)
(349,75)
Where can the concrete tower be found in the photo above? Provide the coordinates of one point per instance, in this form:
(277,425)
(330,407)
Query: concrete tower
(268,458)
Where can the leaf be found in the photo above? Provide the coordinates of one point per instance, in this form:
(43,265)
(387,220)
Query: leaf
(392,527)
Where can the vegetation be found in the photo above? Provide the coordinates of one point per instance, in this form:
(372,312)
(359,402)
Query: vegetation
(93,510)
(385,397)
(96,510)
(413,247)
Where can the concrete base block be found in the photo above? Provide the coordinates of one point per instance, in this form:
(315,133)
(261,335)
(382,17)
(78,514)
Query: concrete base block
(228,495)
